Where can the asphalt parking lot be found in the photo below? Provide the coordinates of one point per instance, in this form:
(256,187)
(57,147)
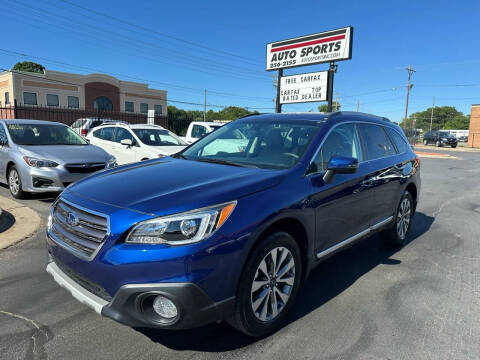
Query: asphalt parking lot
(367,302)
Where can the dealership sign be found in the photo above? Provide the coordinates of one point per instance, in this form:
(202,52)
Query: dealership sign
(312,49)
(301,88)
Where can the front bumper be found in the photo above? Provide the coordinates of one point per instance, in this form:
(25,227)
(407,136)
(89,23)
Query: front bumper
(128,306)
(53,179)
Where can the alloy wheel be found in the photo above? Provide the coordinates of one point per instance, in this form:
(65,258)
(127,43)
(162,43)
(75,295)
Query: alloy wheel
(403,218)
(273,284)
(14,182)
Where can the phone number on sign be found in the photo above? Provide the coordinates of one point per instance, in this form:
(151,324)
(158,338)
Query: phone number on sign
(278,64)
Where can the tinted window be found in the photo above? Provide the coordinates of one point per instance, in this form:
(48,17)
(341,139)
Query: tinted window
(7,98)
(73,102)
(198,131)
(105,133)
(375,142)
(143,108)
(2,132)
(29,98)
(398,140)
(342,141)
(122,134)
(96,123)
(129,107)
(52,100)
(158,109)
(157,137)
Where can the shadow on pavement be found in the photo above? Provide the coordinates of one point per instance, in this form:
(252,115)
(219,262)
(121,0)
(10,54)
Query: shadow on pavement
(43,197)
(330,278)
(6,221)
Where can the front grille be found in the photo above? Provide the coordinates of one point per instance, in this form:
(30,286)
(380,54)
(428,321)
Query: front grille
(81,230)
(85,168)
(81,280)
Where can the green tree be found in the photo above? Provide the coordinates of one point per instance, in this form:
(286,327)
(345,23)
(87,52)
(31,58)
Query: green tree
(324,107)
(442,116)
(29,66)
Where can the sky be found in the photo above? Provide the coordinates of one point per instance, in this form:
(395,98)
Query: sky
(185,47)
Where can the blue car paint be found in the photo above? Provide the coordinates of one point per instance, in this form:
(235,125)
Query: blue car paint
(137,192)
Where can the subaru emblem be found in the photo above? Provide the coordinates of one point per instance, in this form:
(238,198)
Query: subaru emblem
(72,219)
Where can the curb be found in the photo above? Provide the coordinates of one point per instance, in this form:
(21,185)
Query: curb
(27,222)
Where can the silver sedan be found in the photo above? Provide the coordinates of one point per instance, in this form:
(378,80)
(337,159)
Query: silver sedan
(44,156)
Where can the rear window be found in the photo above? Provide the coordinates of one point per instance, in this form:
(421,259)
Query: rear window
(375,141)
(400,143)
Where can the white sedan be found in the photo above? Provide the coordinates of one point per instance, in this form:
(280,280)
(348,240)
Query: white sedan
(131,143)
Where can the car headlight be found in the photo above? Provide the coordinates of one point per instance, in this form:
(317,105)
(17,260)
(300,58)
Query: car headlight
(444,139)
(180,229)
(111,163)
(39,162)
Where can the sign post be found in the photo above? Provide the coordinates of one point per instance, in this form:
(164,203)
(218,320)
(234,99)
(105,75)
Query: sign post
(329,46)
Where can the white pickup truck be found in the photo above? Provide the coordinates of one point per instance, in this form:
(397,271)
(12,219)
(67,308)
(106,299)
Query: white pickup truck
(198,129)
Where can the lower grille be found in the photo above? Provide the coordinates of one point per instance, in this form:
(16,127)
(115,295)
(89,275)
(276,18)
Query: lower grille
(85,168)
(82,231)
(81,280)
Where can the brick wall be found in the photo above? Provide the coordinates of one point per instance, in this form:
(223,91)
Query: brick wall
(474,133)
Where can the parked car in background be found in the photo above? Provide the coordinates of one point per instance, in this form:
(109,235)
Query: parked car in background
(198,129)
(463,138)
(131,143)
(83,126)
(42,156)
(439,138)
(231,235)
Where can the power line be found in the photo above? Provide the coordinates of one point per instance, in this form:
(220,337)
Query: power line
(149,30)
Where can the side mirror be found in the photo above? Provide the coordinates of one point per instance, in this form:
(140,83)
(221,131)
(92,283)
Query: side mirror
(340,165)
(126,142)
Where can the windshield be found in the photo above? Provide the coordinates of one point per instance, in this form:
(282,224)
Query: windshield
(44,134)
(264,144)
(158,137)
(444,133)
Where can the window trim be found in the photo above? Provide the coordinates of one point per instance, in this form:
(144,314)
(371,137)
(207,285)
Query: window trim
(361,144)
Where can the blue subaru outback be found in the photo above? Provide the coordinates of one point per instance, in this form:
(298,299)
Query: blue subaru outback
(229,228)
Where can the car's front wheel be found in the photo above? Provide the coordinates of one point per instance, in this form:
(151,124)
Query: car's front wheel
(268,286)
(438,143)
(425,142)
(454,146)
(15,183)
(396,235)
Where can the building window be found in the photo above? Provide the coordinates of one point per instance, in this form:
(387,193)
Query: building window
(158,109)
(143,108)
(102,103)
(52,100)
(129,107)
(7,98)
(29,98)
(73,102)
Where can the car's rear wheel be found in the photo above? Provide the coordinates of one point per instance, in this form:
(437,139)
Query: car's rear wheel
(425,142)
(397,234)
(15,183)
(268,286)
(454,146)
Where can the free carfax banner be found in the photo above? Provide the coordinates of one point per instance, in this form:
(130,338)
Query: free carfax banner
(312,49)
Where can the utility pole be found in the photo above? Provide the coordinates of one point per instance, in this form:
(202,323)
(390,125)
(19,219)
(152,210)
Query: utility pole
(409,86)
(205,105)
(358,105)
(431,116)
(336,101)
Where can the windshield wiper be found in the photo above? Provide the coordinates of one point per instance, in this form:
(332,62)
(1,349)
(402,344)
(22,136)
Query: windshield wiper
(226,162)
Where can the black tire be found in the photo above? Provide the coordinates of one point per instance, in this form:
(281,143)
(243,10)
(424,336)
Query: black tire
(245,319)
(438,143)
(15,183)
(454,146)
(425,142)
(393,236)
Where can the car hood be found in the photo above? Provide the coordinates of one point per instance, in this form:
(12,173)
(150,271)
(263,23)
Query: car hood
(166,186)
(66,154)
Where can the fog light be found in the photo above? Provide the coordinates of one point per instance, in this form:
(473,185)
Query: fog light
(165,307)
